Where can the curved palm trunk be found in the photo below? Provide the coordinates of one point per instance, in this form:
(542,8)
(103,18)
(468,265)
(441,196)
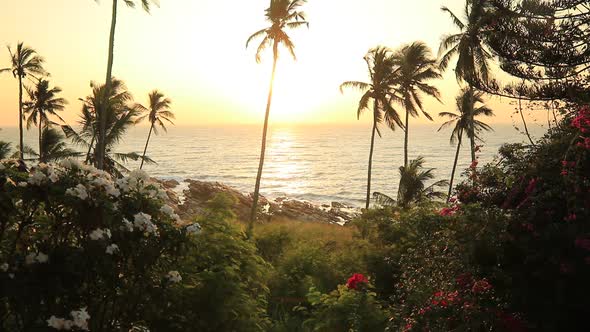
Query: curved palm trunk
(406,139)
(20,117)
(526,129)
(146,145)
(102,129)
(368,199)
(454,167)
(263,145)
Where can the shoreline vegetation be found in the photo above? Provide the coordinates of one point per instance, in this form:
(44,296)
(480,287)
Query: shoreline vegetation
(87,244)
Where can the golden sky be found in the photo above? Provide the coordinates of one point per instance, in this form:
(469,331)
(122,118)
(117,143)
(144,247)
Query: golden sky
(194,51)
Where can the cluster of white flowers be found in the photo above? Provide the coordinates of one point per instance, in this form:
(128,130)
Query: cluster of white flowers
(169,211)
(112,248)
(174,276)
(79,320)
(78,191)
(193,229)
(36,258)
(4,267)
(143,222)
(99,234)
(127,225)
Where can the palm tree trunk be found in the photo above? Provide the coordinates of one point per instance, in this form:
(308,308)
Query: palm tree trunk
(368,200)
(263,145)
(526,129)
(146,145)
(90,147)
(406,139)
(454,167)
(472,143)
(40,143)
(20,117)
(102,130)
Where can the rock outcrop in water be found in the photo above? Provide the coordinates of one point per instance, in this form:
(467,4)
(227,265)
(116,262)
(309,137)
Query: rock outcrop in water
(194,200)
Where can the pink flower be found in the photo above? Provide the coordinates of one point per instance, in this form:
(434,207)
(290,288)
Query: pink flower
(531,186)
(474,164)
(448,211)
(563,172)
(570,217)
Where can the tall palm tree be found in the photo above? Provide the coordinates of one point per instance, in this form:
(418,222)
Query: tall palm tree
(414,66)
(282,15)
(24,62)
(469,105)
(43,103)
(472,55)
(379,91)
(158,110)
(102,120)
(412,188)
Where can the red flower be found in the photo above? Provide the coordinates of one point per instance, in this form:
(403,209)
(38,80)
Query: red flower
(531,186)
(570,217)
(474,164)
(481,286)
(448,211)
(356,280)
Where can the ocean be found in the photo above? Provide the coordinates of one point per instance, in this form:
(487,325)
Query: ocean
(318,163)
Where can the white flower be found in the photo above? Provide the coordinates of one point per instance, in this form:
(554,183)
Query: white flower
(167,209)
(194,229)
(127,225)
(162,194)
(139,175)
(42,258)
(37,178)
(22,184)
(70,164)
(112,191)
(144,223)
(4,267)
(123,185)
(53,177)
(99,234)
(56,323)
(78,191)
(111,249)
(81,318)
(174,276)
(36,258)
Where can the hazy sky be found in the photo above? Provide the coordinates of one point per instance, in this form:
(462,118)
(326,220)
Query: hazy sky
(194,51)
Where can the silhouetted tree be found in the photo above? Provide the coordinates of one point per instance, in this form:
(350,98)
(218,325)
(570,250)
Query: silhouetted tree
(414,65)
(379,91)
(465,122)
(24,61)
(282,15)
(158,110)
(43,102)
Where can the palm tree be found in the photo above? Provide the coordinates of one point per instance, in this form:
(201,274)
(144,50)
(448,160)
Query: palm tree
(472,56)
(465,122)
(54,148)
(412,188)
(281,14)
(4,150)
(43,103)
(102,120)
(379,92)
(159,109)
(24,61)
(414,65)
(120,117)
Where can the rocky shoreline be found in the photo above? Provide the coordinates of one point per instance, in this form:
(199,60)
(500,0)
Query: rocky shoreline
(190,198)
